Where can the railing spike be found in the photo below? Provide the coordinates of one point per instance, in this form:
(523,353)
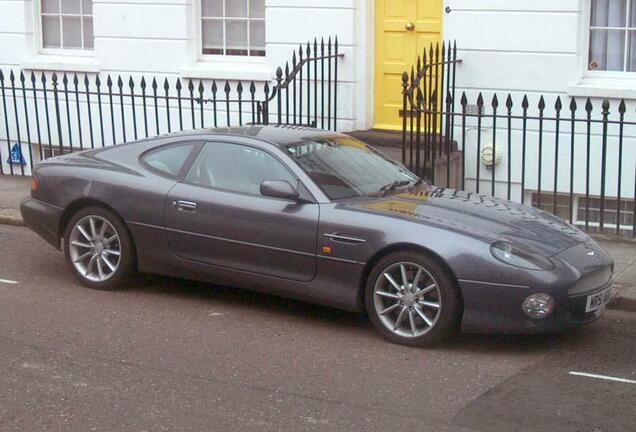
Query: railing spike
(190,85)
(120,83)
(166,84)
(480,100)
(558,105)
(509,102)
(11,76)
(605,106)
(178,84)
(279,73)
(621,107)
(22,76)
(464,100)
(495,101)
(143,82)
(588,105)
(214,87)
(75,80)
(573,106)
(131,83)
(525,103)
(252,87)
(227,87)
(541,103)
(200,88)
(239,87)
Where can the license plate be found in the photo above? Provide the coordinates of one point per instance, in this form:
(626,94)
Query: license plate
(597,301)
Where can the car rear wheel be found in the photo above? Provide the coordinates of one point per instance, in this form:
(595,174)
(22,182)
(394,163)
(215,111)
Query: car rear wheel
(98,248)
(412,299)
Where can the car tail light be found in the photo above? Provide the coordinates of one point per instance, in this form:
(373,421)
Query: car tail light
(34,185)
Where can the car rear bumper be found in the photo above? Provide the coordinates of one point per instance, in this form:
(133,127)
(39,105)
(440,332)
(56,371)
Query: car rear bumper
(42,218)
(496,308)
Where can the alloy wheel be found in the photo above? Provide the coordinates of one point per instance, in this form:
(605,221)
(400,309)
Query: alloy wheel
(407,299)
(95,248)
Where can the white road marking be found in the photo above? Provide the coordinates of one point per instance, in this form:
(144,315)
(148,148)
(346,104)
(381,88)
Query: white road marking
(603,377)
(7,281)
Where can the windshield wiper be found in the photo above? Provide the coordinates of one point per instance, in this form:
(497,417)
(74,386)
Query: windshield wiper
(394,185)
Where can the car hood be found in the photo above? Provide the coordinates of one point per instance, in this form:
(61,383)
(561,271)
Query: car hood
(478,215)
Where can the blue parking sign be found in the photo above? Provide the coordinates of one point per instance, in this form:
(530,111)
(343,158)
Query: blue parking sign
(16,158)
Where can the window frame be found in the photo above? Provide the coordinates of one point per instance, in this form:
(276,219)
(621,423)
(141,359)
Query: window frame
(39,35)
(302,189)
(585,45)
(197,145)
(198,43)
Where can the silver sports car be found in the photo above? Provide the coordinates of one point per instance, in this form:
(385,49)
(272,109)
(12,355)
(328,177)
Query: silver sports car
(321,217)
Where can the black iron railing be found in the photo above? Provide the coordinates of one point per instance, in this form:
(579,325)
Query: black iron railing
(423,124)
(575,160)
(55,113)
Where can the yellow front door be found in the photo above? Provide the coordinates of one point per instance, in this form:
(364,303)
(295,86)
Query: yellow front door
(403,29)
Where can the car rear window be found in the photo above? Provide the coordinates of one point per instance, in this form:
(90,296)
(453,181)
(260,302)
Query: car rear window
(169,159)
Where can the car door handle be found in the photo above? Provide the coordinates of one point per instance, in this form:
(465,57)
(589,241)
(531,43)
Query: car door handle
(185,206)
(344,238)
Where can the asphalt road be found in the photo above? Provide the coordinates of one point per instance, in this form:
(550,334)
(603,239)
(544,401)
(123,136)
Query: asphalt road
(166,354)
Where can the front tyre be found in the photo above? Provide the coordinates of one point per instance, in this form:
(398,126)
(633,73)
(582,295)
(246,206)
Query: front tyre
(98,248)
(412,299)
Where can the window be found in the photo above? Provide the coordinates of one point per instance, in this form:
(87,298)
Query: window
(233,27)
(613,35)
(344,167)
(67,24)
(168,159)
(579,211)
(237,168)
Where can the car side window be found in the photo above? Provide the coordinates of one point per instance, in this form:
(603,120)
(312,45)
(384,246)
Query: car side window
(168,159)
(236,168)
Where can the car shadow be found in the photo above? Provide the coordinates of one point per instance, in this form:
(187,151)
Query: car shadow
(359,322)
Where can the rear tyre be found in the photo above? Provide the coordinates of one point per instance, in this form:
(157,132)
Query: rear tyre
(412,299)
(98,249)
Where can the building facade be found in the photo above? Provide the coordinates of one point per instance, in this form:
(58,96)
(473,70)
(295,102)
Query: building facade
(552,48)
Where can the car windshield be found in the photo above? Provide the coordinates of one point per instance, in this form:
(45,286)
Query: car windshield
(344,167)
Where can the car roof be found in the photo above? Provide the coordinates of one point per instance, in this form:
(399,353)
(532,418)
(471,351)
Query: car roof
(280,135)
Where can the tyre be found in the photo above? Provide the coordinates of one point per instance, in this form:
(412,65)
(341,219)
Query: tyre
(412,299)
(98,249)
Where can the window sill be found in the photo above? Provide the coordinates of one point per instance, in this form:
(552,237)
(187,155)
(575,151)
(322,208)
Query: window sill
(610,88)
(47,62)
(244,71)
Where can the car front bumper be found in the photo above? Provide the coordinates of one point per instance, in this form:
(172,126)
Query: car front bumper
(42,218)
(496,308)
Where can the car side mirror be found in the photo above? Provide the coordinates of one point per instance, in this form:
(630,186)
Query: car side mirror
(279,189)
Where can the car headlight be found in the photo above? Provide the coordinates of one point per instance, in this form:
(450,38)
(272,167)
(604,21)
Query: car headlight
(538,305)
(507,253)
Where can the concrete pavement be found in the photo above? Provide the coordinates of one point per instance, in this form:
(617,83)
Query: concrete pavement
(166,354)
(12,190)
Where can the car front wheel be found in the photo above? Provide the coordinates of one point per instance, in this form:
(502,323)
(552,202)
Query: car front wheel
(98,248)
(412,299)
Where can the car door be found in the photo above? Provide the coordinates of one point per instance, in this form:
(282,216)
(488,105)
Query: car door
(217,215)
